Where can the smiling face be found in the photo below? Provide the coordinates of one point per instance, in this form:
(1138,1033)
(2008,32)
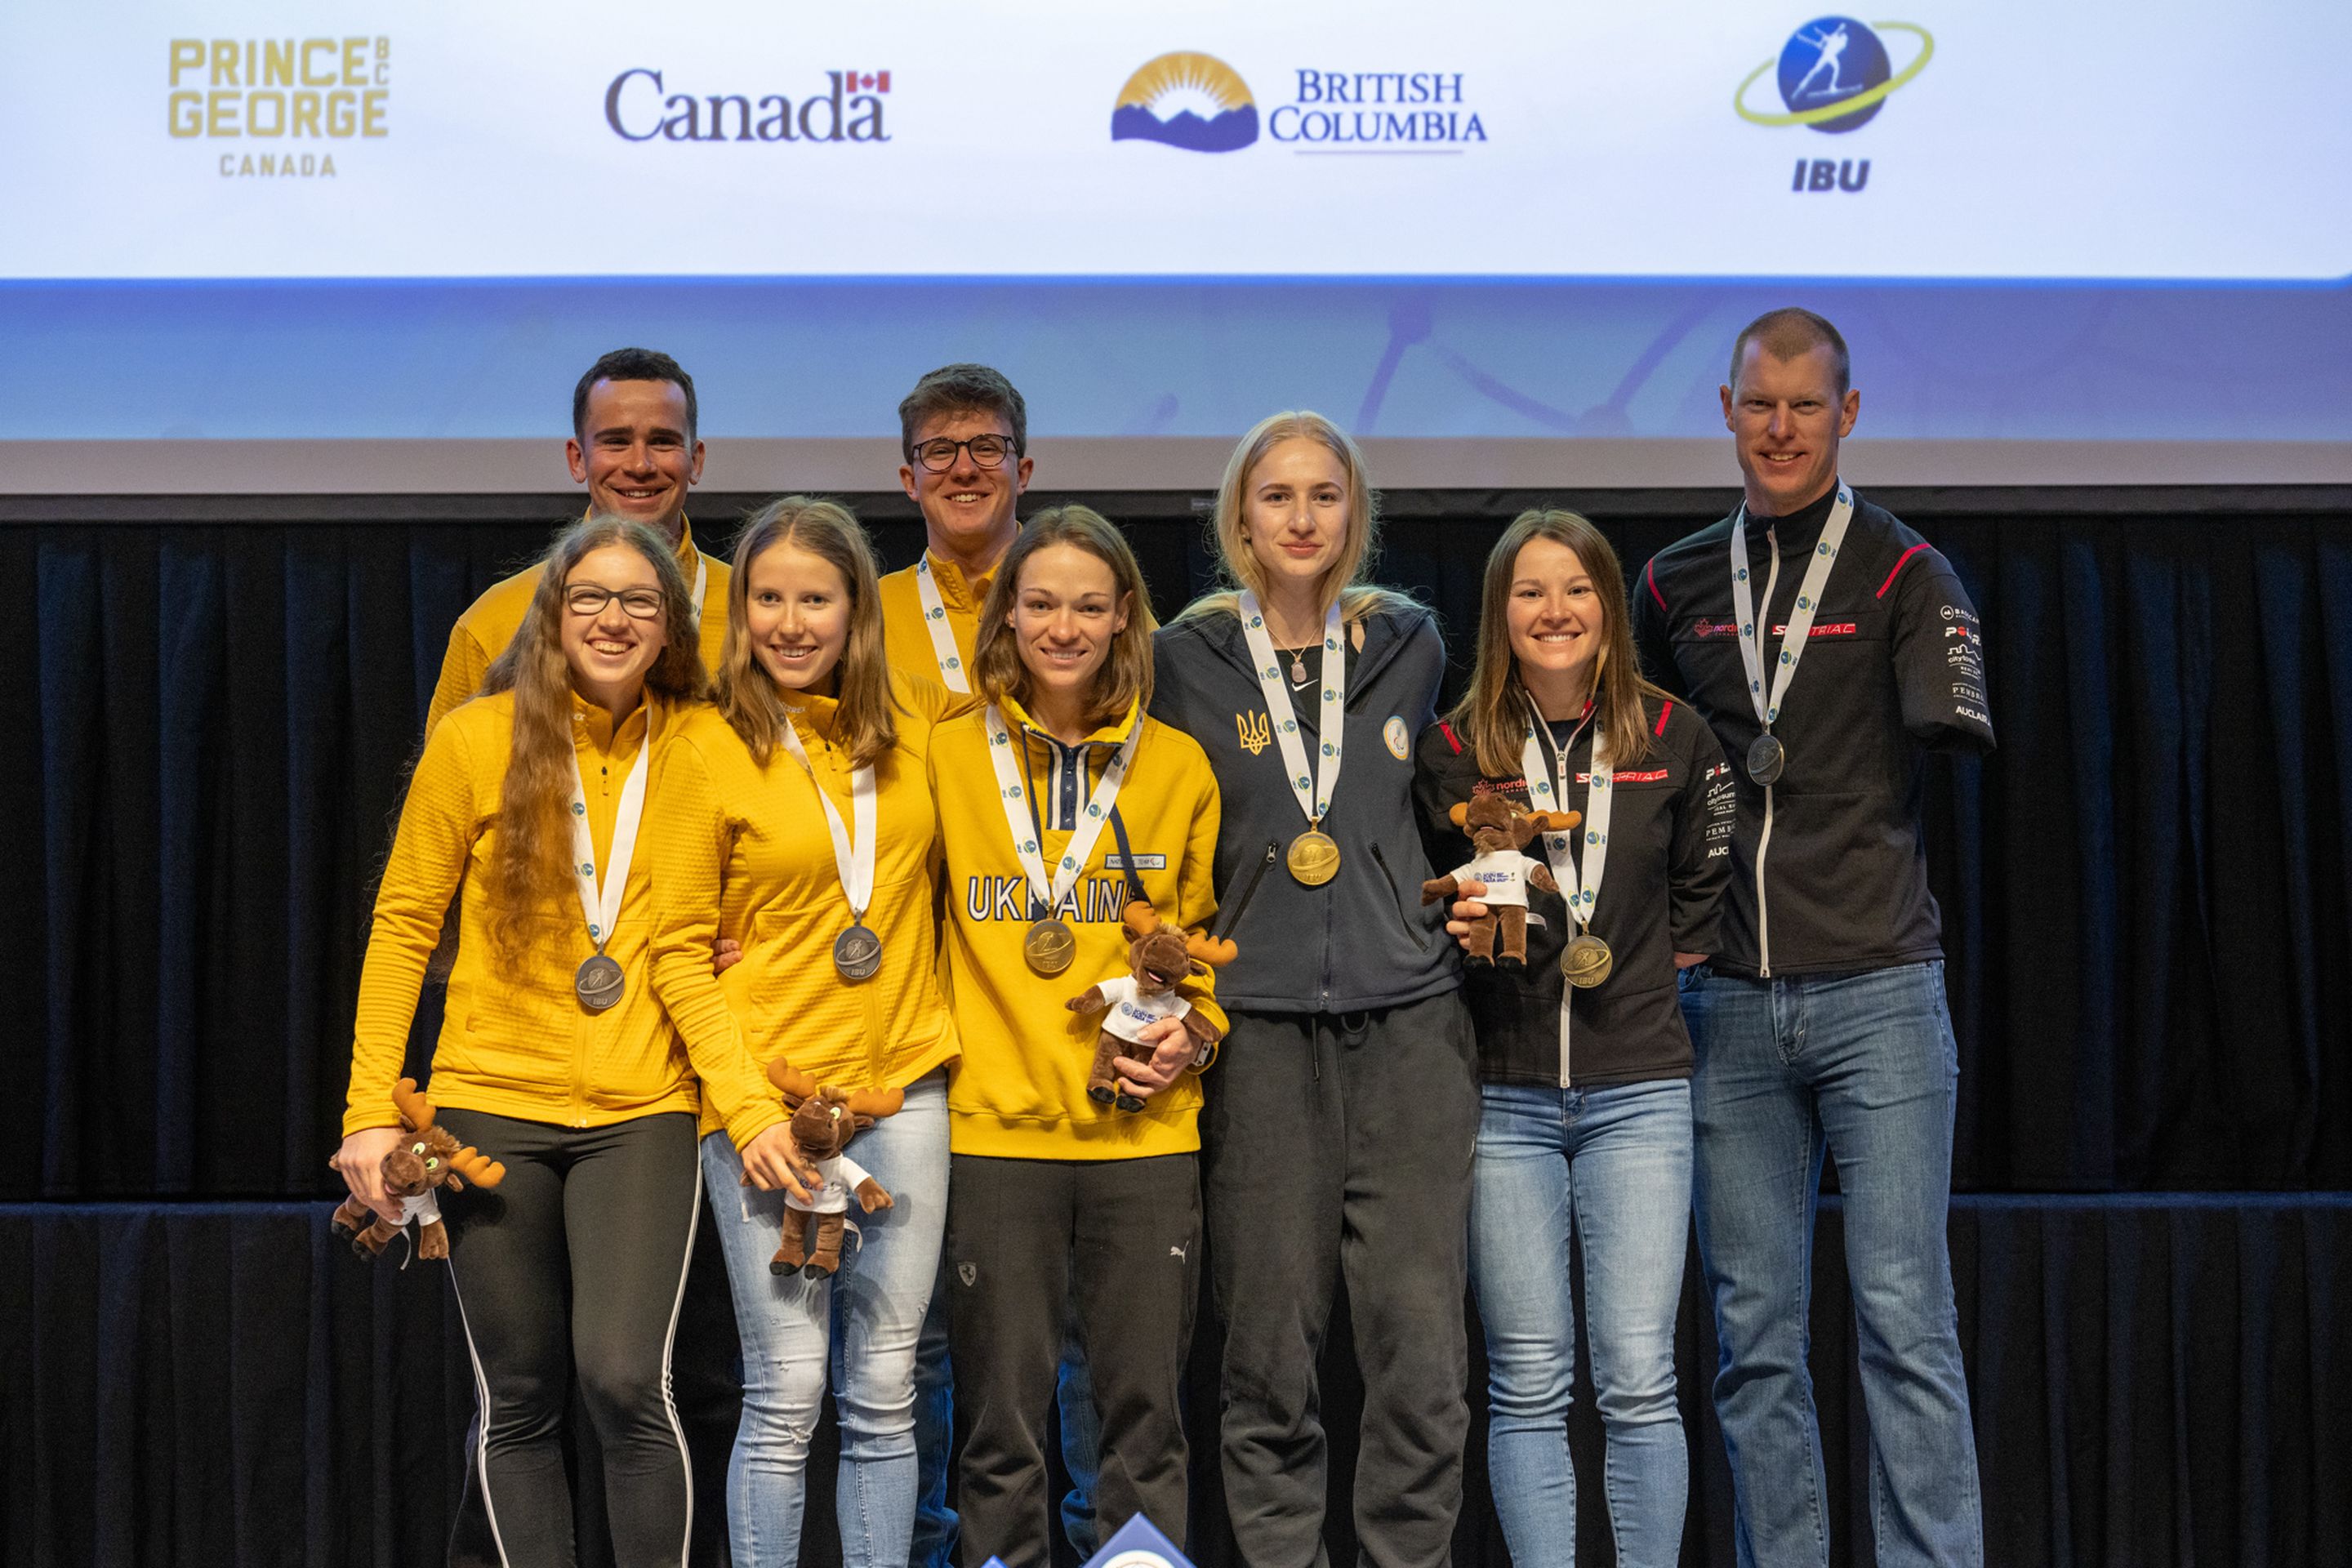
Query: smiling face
(633,453)
(1786,418)
(796,616)
(1294,512)
(1066,609)
(608,647)
(968,509)
(1557,623)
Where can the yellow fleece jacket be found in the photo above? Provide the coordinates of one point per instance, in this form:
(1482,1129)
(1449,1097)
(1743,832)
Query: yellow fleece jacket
(516,1040)
(907,641)
(488,624)
(743,850)
(1020,1089)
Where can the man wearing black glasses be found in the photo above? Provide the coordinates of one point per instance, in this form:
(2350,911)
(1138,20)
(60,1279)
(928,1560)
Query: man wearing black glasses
(964,433)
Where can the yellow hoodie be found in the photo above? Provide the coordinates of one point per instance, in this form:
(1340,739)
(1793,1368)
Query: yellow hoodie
(1020,1091)
(906,641)
(743,850)
(488,624)
(516,1040)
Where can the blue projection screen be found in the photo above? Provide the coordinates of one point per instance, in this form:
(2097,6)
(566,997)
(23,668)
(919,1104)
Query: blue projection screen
(263,245)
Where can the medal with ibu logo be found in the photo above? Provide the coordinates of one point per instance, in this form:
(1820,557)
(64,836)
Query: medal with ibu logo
(1049,944)
(599,983)
(1767,757)
(935,622)
(1586,961)
(1314,855)
(857,952)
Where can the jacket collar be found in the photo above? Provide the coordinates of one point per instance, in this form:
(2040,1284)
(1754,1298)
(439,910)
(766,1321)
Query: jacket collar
(960,594)
(1110,735)
(1383,640)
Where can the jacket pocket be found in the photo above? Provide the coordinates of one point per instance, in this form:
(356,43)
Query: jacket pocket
(1249,891)
(1396,900)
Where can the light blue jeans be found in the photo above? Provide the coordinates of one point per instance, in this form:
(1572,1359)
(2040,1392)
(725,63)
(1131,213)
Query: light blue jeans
(1612,1167)
(1861,1067)
(856,1330)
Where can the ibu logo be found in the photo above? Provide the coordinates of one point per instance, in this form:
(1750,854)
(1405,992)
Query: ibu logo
(1834,76)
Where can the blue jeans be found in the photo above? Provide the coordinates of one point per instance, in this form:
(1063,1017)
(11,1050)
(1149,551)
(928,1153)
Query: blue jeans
(1864,1066)
(856,1329)
(1074,1400)
(1612,1166)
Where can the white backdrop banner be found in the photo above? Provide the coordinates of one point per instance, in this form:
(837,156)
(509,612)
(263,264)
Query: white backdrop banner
(1683,138)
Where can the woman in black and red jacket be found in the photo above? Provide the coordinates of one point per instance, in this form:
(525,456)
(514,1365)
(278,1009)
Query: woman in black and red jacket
(1584,1128)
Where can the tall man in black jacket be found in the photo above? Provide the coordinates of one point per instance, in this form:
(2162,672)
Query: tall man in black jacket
(1830,646)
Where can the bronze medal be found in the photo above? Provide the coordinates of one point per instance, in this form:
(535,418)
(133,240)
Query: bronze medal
(1050,945)
(1586,961)
(1314,857)
(599,983)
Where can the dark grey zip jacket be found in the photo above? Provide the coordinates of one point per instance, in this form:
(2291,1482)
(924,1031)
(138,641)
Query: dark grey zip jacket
(1363,940)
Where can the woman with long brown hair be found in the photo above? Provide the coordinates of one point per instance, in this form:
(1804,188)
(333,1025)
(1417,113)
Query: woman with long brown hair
(1333,1145)
(554,1056)
(1584,1126)
(1070,819)
(797,821)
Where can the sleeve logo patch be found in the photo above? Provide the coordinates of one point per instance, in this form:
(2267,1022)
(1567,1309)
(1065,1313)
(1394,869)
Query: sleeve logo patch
(1400,742)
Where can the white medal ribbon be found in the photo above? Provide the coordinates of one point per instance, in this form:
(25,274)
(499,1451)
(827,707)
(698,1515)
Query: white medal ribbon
(854,862)
(1800,621)
(1314,793)
(935,621)
(1011,792)
(701,577)
(601,901)
(1580,893)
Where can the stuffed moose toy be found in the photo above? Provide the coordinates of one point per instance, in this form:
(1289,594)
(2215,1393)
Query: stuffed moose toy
(1159,957)
(825,1119)
(1500,875)
(414,1170)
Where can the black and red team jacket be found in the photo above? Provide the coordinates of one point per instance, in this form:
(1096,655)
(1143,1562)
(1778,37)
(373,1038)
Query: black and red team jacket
(1829,865)
(1669,843)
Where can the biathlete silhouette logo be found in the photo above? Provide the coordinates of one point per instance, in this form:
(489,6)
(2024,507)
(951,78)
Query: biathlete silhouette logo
(1835,74)
(1186,99)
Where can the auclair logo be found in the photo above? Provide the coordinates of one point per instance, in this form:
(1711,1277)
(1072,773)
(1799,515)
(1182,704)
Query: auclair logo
(287,99)
(639,107)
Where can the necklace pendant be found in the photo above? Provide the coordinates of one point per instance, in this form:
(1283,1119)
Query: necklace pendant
(1297,669)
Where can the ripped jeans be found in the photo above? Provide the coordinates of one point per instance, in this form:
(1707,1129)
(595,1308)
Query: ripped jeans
(855,1332)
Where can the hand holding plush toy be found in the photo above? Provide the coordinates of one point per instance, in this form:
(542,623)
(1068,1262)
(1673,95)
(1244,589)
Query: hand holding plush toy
(1499,876)
(414,1168)
(825,1119)
(1159,958)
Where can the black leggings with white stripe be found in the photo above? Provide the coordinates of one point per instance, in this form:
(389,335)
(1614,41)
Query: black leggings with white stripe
(579,1256)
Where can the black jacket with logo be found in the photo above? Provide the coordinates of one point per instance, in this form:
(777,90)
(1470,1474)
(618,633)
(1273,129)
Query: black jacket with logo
(1669,857)
(1363,939)
(1829,868)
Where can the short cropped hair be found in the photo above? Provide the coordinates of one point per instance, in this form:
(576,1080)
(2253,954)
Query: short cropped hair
(1789,332)
(632,365)
(960,389)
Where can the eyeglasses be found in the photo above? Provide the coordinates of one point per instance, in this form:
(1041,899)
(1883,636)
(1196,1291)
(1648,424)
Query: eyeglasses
(987,451)
(588,599)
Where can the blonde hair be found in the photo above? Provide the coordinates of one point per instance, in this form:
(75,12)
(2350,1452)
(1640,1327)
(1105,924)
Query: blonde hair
(862,727)
(530,858)
(1494,713)
(1347,579)
(1124,678)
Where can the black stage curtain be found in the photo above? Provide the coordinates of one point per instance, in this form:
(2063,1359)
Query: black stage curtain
(2141,889)
(2156,1382)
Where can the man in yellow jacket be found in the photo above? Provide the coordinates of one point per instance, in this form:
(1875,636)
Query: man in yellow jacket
(634,446)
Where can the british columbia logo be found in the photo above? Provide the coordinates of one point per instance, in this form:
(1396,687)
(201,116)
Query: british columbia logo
(1186,99)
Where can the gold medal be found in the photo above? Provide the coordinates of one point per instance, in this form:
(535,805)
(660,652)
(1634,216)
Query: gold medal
(1586,961)
(1314,857)
(1050,945)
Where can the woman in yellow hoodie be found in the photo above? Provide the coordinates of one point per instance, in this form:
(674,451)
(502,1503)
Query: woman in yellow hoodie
(554,1056)
(797,821)
(1060,802)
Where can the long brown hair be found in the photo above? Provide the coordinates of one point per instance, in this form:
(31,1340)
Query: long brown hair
(531,860)
(862,726)
(1495,711)
(1124,679)
(1349,578)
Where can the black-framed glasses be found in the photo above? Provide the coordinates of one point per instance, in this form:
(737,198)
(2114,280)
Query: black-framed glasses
(987,451)
(588,599)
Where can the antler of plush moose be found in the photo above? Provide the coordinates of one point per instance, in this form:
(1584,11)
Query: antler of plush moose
(417,1114)
(1141,920)
(799,1089)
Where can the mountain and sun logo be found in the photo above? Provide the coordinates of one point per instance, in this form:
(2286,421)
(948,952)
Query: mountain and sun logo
(1186,99)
